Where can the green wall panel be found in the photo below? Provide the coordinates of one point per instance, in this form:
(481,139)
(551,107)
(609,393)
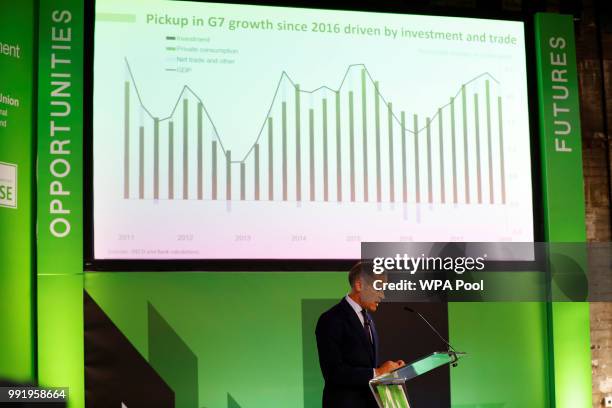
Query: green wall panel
(17,62)
(563,197)
(507,358)
(60,197)
(244,328)
(60,349)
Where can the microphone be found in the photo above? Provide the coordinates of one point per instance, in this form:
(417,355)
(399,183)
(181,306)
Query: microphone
(451,348)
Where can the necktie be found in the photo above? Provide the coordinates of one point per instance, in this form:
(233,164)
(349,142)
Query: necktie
(366,325)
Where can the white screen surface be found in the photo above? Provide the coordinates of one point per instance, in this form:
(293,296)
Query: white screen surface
(250,132)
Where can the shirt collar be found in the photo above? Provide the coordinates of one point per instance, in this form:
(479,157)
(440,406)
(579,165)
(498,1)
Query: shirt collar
(353,304)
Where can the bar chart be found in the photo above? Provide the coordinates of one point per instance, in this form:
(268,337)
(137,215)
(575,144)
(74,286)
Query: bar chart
(348,144)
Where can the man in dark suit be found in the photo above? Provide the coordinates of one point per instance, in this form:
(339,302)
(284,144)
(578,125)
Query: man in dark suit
(347,343)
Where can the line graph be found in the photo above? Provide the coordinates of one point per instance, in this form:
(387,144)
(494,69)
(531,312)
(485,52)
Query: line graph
(449,157)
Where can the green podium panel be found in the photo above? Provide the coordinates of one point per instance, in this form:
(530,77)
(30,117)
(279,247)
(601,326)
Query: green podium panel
(390,389)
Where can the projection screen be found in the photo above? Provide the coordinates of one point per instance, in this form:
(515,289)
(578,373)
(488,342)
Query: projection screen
(253,132)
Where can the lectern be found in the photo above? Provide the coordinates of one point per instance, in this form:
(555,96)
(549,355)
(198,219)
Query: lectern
(390,389)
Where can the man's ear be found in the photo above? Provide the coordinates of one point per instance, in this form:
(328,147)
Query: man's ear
(357,286)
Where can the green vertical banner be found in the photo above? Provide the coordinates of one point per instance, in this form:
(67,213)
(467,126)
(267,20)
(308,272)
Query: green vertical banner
(563,199)
(17,61)
(60,197)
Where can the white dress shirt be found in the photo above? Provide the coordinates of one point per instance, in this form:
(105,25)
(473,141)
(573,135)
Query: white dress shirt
(358,310)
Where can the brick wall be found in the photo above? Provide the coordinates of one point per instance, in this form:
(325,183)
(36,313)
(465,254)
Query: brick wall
(594,49)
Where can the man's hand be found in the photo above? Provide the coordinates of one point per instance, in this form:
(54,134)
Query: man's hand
(389,366)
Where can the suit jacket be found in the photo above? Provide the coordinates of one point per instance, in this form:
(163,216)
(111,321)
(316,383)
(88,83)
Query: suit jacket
(347,358)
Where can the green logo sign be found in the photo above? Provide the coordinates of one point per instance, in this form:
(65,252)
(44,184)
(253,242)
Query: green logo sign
(8,185)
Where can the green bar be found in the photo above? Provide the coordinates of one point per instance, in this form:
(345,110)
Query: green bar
(352,145)
(477,134)
(417,177)
(325,163)
(391,164)
(364,125)
(284,164)
(465,146)
(404,177)
(116,17)
(156,158)
(501,149)
(270,160)
(59,259)
(141,164)
(126,141)
(298,146)
(170,48)
(570,349)
(429,176)
(242,181)
(490,147)
(377,122)
(185,150)
(170,160)
(228,175)
(563,203)
(200,155)
(256,171)
(213,150)
(61,295)
(441,133)
(312,155)
(338,148)
(452,107)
